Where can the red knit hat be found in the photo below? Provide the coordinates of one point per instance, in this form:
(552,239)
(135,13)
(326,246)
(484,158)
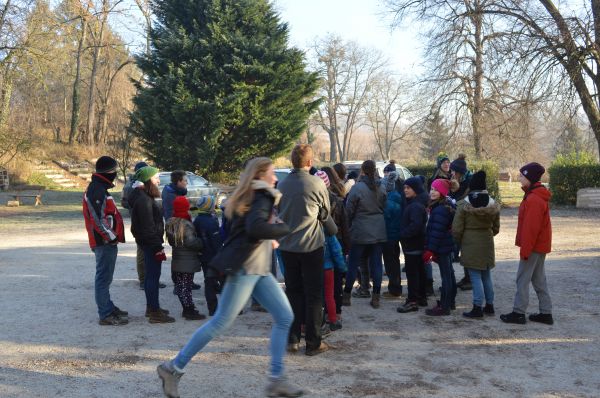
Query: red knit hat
(442,186)
(181,208)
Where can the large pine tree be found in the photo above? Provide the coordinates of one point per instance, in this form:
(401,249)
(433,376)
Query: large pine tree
(221,85)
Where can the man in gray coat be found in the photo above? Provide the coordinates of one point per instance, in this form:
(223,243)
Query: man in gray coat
(304,207)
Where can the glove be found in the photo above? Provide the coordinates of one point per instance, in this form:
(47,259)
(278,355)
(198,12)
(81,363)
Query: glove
(160,256)
(428,256)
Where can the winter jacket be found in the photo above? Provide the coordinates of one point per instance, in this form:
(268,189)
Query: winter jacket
(394,207)
(364,208)
(338,214)
(254,227)
(412,227)
(169,193)
(333,256)
(147,224)
(103,221)
(304,206)
(186,256)
(439,228)
(473,230)
(534,230)
(207,229)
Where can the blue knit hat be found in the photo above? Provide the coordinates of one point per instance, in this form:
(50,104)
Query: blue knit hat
(206,203)
(416,184)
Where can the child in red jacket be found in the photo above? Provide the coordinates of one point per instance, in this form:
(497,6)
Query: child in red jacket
(534,237)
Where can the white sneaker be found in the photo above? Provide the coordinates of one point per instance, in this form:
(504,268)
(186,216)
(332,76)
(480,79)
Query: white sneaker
(170,379)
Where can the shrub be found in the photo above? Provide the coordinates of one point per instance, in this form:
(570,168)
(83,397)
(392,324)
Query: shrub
(571,172)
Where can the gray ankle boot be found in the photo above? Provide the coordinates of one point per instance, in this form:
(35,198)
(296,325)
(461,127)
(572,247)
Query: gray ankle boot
(280,387)
(170,379)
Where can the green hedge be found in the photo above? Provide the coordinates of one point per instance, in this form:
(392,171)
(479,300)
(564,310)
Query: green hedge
(490,168)
(569,173)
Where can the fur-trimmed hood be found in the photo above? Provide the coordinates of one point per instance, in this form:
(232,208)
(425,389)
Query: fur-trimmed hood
(491,209)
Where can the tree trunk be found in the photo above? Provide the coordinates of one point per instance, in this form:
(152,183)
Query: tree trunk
(77,83)
(92,92)
(477,111)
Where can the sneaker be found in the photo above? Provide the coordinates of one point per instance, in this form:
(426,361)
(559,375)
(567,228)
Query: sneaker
(160,317)
(170,379)
(361,293)
(346,300)
(375,300)
(113,320)
(514,317)
(542,318)
(488,309)
(437,311)
(195,286)
(391,296)
(408,307)
(293,347)
(280,387)
(319,350)
(476,313)
(148,311)
(119,312)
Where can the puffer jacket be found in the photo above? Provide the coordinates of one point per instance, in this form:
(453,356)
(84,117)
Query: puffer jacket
(439,228)
(364,208)
(412,227)
(394,206)
(474,229)
(147,225)
(186,254)
(534,230)
(333,256)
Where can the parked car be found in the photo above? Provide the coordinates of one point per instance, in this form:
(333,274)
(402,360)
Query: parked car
(354,165)
(281,174)
(197,186)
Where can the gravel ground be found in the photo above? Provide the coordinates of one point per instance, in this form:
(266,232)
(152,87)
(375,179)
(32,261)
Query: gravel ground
(52,345)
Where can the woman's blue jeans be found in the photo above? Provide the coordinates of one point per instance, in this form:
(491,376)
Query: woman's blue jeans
(357,253)
(448,295)
(482,286)
(236,292)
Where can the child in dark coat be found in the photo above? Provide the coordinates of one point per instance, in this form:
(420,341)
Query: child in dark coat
(207,228)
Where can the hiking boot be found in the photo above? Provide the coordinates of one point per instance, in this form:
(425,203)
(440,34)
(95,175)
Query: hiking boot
(170,379)
(488,309)
(346,300)
(408,307)
(422,303)
(293,347)
(514,317)
(476,312)
(465,279)
(391,295)
(429,288)
(148,311)
(195,286)
(466,286)
(113,320)
(361,293)
(437,311)
(192,314)
(160,317)
(319,350)
(280,387)
(120,313)
(375,300)
(257,307)
(337,325)
(542,318)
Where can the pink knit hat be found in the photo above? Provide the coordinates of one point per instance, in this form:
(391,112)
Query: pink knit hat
(323,176)
(442,186)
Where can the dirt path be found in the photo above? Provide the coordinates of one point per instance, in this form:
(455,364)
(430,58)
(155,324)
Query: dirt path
(51,343)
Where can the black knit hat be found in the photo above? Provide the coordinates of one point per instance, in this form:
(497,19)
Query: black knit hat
(106,164)
(416,184)
(478,181)
(139,165)
(459,164)
(533,171)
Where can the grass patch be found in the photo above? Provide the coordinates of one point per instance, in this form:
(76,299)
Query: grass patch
(511,193)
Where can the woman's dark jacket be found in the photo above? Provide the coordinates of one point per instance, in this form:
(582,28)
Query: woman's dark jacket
(147,225)
(439,228)
(412,227)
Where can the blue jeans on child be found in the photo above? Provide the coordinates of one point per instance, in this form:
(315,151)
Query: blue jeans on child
(236,292)
(482,286)
(106,258)
(448,295)
(359,251)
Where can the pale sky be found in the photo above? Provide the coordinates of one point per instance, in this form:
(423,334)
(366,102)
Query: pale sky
(363,21)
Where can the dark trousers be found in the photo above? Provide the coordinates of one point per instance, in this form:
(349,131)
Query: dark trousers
(151,277)
(448,295)
(391,260)
(416,277)
(357,254)
(212,287)
(304,289)
(338,290)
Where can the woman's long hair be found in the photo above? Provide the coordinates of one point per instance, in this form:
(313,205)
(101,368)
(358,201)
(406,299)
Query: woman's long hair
(340,170)
(151,189)
(369,169)
(335,184)
(240,200)
(176,227)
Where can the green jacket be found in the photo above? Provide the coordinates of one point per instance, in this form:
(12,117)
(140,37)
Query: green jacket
(474,230)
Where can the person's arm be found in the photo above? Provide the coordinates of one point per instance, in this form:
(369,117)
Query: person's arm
(167,204)
(352,202)
(257,220)
(96,201)
(329,226)
(146,228)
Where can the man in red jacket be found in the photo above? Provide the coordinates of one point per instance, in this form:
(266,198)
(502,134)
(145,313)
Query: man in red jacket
(534,237)
(105,229)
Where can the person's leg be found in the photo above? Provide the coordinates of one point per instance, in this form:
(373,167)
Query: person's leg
(391,260)
(211,286)
(294,291)
(488,286)
(151,278)
(268,293)
(422,277)
(478,287)
(312,280)
(375,266)
(186,289)
(139,264)
(540,285)
(178,276)
(337,290)
(236,293)
(329,300)
(524,274)
(354,260)
(106,257)
(365,275)
(412,264)
(447,286)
